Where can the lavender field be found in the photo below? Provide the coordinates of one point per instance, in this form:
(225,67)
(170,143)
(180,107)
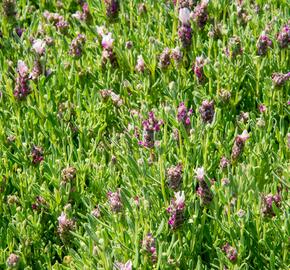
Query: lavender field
(144,134)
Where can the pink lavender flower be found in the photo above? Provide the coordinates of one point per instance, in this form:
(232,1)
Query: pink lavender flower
(107,94)
(21,89)
(124,266)
(200,62)
(263,44)
(224,163)
(37,70)
(57,20)
(140,66)
(207,111)
(239,144)
(68,174)
(107,41)
(200,14)
(39,204)
(183,114)
(149,245)
(203,190)
(234,47)
(262,108)
(176,210)
(184,3)
(176,55)
(150,126)
(37,154)
(231,252)
(283,36)
(164,59)
(185,31)
(39,46)
(112,8)
(268,201)
(174,176)
(76,47)
(65,225)
(96,212)
(83,15)
(115,202)
(13,260)
(279,79)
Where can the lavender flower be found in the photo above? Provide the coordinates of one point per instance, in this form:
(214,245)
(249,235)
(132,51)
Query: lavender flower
(207,111)
(115,201)
(140,66)
(149,245)
(216,31)
(108,54)
(164,59)
(279,79)
(200,62)
(176,55)
(65,225)
(36,71)
(224,95)
(224,163)
(76,47)
(39,203)
(37,154)
(83,15)
(112,8)
(262,108)
(183,114)
(268,201)
(176,210)
(200,14)
(19,31)
(110,94)
(174,176)
(283,37)
(21,89)
(203,190)
(13,260)
(57,20)
(68,174)
(9,8)
(230,251)
(239,144)
(39,46)
(150,126)
(263,44)
(96,212)
(184,3)
(234,47)
(185,31)
(124,266)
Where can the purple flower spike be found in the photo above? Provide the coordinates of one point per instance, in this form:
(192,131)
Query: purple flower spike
(200,14)
(239,144)
(207,111)
(21,89)
(279,79)
(268,201)
(283,37)
(112,8)
(174,176)
(231,252)
(183,114)
(200,62)
(115,202)
(149,245)
(185,31)
(176,210)
(263,44)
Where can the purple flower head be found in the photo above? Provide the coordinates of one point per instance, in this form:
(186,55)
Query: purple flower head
(140,66)
(107,41)
(231,252)
(37,154)
(65,225)
(184,3)
(264,42)
(200,62)
(112,8)
(176,55)
(207,111)
(19,31)
(164,59)
(183,114)
(185,35)
(268,201)
(239,144)
(200,14)
(279,79)
(115,202)
(77,44)
(224,163)
(174,176)
(283,36)
(203,190)
(234,47)
(13,260)
(176,210)
(149,245)
(262,108)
